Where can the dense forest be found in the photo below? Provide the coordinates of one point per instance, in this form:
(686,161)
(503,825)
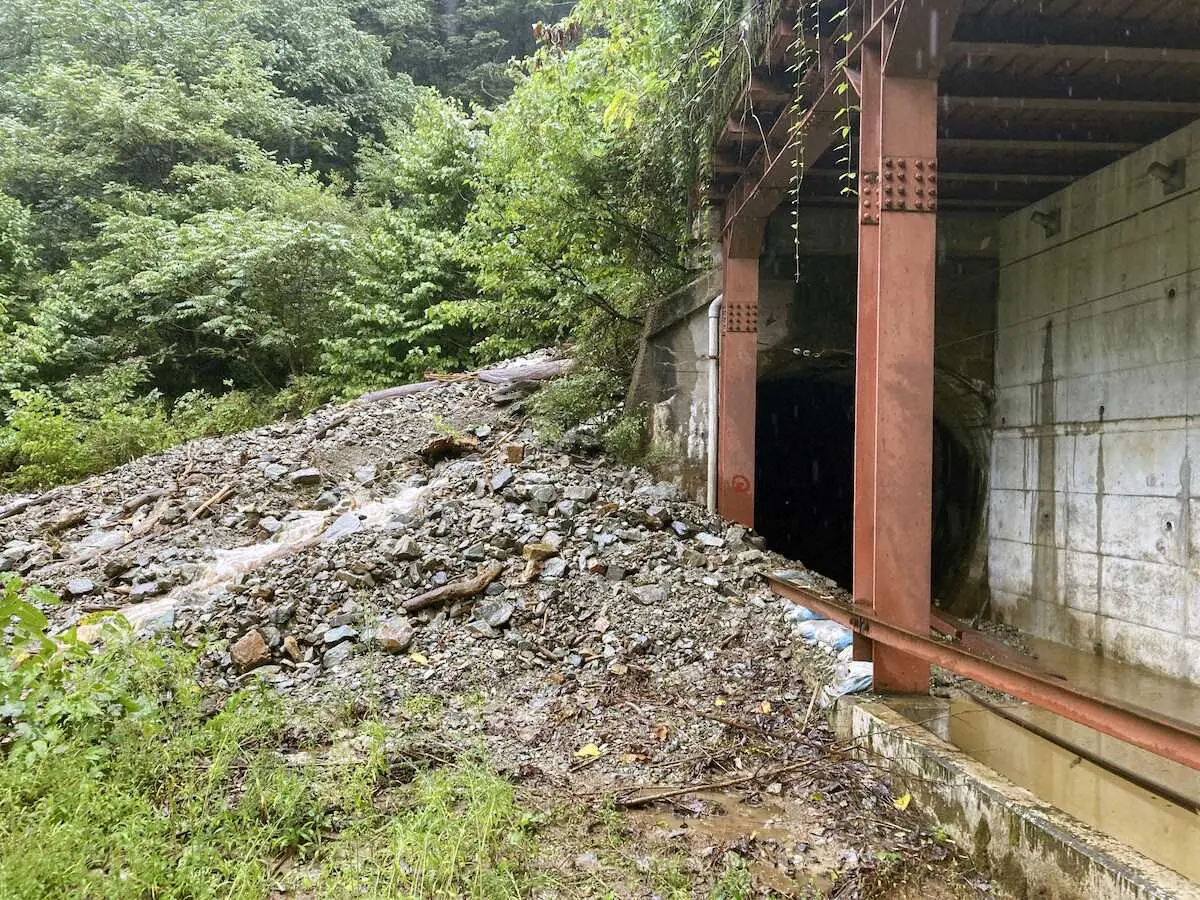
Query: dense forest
(217,213)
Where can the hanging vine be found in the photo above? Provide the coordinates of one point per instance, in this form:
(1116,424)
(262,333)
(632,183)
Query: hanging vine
(848,176)
(813,32)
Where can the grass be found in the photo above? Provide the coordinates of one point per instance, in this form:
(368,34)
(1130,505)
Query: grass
(127,785)
(459,832)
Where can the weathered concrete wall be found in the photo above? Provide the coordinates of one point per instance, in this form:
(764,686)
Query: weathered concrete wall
(1095,427)
(670,381)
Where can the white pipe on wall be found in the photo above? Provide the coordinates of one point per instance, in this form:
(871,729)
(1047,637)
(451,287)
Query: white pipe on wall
(714,397)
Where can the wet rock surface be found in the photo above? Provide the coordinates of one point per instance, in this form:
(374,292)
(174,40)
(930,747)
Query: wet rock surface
(624,645)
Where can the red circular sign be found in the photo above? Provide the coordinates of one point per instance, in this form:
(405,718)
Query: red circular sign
(741,484)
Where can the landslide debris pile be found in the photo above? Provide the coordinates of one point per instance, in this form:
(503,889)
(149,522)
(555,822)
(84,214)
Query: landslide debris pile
(424,554)
(422,543)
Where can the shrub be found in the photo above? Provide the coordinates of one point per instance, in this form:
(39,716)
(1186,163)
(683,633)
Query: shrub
(624,439)
(92,425)
(200,414)
(575,398)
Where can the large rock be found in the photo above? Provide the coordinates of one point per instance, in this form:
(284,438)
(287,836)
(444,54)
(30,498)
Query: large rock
(405,549)
(340,633)
(338,654)
(395,635)
(80,587)
(250,651)
(652,594)
(15,553)
(495,612)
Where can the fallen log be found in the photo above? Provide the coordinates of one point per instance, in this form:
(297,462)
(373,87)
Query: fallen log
(457,590)
(402,391)
(531,371)
(135,503)
(19,506)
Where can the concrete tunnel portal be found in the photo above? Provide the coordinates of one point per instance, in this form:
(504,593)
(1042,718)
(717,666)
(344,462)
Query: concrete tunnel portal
(804,477)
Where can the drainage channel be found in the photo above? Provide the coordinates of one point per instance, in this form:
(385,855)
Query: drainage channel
(1140,799)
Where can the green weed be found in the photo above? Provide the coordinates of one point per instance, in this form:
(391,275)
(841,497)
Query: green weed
(112,768)
(734,882)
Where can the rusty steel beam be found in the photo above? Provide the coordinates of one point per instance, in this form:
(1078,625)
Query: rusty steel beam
(1162,735)
(769,175)
(999,178)
(902,465)
(738,370)
(959,203)
(921,38)
(1003,145)
(1078,52)
(1095,82)
(1056,31)
(865,357)
(954,102)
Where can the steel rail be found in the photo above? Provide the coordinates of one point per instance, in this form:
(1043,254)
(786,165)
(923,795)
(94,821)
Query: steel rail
(1162,735)
(1149,785)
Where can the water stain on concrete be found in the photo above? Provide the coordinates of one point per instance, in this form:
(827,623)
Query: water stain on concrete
(1045,550)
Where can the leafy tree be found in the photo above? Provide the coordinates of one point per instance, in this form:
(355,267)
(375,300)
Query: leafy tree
(401,314)
(466,48)
(582,219)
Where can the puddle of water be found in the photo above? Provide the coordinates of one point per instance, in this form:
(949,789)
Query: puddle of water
(720,819)
(1168,696)
(1157,828)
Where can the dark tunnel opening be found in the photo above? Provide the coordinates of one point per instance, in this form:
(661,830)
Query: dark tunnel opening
(804,491)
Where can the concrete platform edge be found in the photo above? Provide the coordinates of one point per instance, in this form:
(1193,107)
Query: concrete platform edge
(1031,848)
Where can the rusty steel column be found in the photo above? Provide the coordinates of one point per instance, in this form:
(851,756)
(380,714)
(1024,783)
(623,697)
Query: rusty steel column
(902,486)
(736,420)
(865,349)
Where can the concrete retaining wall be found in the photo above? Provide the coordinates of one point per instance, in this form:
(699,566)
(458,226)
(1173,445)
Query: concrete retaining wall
(1031,848)
(1097,382)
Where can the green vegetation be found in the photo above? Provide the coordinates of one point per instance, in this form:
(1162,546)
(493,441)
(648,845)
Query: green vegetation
(203,205)
(128,784)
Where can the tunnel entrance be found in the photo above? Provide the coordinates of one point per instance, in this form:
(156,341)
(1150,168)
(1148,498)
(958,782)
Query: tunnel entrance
(804,490)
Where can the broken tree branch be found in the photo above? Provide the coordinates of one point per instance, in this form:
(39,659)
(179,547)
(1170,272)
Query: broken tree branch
(19,506)
(134,504)
(212,501)
(633,802)
(456,590)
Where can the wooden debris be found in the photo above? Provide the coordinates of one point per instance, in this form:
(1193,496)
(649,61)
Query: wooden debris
(19,506)
(528,371)
(514,453)
(340,419)
(223,494)
(69,519)
(133,504)
(402,391)
(767,775)
(457,590)
(101,607)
